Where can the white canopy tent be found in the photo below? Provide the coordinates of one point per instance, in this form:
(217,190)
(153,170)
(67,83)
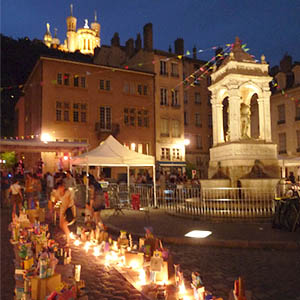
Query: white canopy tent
(111,153)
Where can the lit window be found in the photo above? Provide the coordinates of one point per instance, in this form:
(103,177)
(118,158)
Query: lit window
(175,98)
(105,118)
(165,153)
(164,127)
(175,128)
(163,96)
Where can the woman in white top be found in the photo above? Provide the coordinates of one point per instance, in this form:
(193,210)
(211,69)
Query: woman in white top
(64,195)
(17,197)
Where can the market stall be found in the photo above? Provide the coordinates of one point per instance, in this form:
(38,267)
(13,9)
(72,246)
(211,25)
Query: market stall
(111,153)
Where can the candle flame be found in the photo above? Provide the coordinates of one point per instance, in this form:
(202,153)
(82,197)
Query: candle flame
(87,246)
(182,289)
(72,236)
(134,264)
(97,251)
(77,242)
(142,277)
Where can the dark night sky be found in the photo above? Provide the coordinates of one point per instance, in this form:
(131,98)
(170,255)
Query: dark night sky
(271,27)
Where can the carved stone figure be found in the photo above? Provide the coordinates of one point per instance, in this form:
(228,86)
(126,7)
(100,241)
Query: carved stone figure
(245,120)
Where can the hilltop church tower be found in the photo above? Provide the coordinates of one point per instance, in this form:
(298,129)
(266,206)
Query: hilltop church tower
(84,39)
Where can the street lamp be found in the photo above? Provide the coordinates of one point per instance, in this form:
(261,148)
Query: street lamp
(186,142)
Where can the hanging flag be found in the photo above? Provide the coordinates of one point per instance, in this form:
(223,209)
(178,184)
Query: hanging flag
(179,56)
(192,85)
(140,64)
(126,67)
(54,81)
(192,76)
(244,45)
(202,69)
(282,92)
(200,50)
(88,73)
(188,52)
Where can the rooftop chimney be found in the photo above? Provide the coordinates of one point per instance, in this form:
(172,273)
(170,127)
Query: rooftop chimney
(115,41)
(195,52)
(148,37)
(179,46)
(138,42)
(129,47)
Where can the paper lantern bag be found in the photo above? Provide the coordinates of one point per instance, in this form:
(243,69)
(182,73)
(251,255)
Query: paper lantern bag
(40,288)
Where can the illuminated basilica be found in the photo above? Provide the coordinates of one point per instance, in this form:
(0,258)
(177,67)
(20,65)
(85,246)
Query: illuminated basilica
(84,39)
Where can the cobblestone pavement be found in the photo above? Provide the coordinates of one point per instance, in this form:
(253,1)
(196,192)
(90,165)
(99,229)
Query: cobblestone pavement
(269,274)
(101,282)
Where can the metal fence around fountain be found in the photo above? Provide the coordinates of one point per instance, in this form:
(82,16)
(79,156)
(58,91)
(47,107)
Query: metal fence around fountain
(196,201)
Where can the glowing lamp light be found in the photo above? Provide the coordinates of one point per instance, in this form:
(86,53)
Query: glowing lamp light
(134,264)
(142,277)
(182,289)
(87,246)
(198,234)
(133,146)
(45,137)
(77,242)
(186,142)
(66,157)
(96,251)
(72,236)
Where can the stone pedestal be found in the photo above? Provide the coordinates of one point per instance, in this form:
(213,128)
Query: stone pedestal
(237,159)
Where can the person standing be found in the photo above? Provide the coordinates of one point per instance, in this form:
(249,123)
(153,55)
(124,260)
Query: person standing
(49,184)
(64,195)
(96,200)
(29,190)
(16,196)
(69,180)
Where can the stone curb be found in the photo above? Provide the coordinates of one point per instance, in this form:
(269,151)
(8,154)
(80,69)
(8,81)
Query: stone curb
(289,245)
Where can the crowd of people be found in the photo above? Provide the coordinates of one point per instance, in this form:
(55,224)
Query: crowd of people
(28,191)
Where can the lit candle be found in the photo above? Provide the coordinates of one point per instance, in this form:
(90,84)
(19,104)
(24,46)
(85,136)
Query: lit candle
(142,277)
(96,251)
(87,246)
(77,242)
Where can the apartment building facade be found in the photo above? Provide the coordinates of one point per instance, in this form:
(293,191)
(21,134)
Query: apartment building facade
(71,101)
(285,116)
